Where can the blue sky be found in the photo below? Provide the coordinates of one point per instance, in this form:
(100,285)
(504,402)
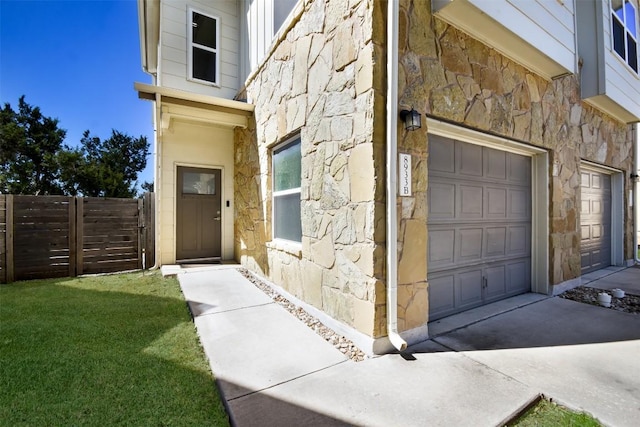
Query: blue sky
(76,60)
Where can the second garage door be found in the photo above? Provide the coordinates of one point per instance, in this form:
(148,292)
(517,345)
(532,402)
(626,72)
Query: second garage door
(595,221)
(479,204)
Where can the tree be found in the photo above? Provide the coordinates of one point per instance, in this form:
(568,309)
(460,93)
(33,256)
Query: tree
(29,143)
(147,186)
(33,159)
(106,168)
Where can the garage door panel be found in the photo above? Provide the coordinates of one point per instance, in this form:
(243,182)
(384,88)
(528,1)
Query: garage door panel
(585,179)
(518,242)
(495,164)
(441,155)
(470,247)
(469,160)
(442,200)
(596,181)
(469,288)
(496,283)
(585,260)
(496,241)
(519,169)
(470,201)
(585,207)
(489,258)
(441,294)
(518,274)
(441,248)
(496,203)
(519,204)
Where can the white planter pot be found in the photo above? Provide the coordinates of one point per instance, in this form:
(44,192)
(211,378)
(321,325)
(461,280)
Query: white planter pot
(604,299)
(618,293)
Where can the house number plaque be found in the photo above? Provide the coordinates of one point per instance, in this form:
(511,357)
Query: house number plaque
(405,175)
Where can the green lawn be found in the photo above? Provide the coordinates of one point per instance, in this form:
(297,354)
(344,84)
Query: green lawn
(108,350)
(548,414)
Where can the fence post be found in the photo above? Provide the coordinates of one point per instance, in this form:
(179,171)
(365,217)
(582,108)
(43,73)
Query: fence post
(141,225)
(149,230)
(72,237)
(79,235)
(3,239)
(9,256)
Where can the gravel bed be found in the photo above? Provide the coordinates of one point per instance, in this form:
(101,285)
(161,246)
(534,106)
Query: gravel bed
(345,346)
(587,295)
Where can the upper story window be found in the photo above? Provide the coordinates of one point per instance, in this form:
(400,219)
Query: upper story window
(624,29)
(287,169)
(202,49)
(281,9)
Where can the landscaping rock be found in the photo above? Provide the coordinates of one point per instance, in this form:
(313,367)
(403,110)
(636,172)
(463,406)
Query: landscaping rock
(588,295)
(345,346)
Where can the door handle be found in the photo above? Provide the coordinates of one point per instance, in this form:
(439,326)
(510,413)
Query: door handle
(217,218)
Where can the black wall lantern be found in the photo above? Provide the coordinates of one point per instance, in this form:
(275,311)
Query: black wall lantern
(411,119)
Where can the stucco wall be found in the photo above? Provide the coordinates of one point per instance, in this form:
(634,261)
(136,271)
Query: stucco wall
(198,145)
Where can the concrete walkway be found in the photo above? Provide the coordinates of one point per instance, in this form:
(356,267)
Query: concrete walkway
(274,371)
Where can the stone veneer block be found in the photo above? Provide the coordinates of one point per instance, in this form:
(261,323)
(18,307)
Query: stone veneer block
(362,173)
(413,261)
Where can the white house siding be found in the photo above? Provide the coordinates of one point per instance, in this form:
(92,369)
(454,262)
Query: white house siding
(259,32)
(172,69)
(547,24)
(622,84)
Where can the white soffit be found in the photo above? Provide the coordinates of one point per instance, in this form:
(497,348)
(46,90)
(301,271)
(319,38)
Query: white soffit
(471,20)
(198,108)
(172,112)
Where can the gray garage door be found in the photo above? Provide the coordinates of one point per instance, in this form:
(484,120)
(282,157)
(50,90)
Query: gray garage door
(479,204)
(595,221)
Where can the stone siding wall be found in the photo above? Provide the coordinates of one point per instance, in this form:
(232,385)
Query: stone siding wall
(326,79)
(447,74)
(318,81)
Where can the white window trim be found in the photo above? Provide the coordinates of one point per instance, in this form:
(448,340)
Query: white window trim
(297,190)
(191,44)
(614,16)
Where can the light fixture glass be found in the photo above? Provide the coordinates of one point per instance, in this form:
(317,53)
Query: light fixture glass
(411,119)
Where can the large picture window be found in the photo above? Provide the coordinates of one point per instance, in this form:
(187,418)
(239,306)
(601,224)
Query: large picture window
(202,49)
(286,191)
(624,30)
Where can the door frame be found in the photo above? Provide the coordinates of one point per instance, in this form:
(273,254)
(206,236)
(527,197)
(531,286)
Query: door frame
(539,191)
(223,199)
(617,208)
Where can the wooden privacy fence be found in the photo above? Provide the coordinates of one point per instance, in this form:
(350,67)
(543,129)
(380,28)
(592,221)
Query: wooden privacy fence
(58,236)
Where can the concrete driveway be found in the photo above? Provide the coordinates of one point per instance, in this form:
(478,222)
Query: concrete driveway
(273,370)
